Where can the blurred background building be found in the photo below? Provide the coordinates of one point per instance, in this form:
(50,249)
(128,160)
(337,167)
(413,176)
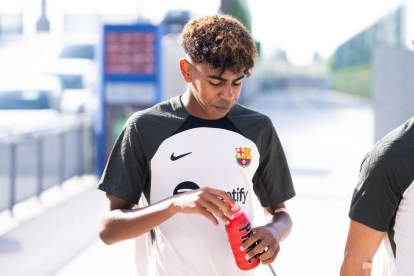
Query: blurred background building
(375,63)
(72,72)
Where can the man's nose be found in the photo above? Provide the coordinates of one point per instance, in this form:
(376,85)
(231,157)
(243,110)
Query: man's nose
(227,93)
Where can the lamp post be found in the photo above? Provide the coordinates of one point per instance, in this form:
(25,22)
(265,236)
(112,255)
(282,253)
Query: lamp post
(43,24)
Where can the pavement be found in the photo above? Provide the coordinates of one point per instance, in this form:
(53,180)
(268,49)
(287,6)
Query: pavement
(325,135)
(45,234)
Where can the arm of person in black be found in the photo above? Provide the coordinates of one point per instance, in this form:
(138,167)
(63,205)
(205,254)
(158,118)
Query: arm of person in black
(383,179)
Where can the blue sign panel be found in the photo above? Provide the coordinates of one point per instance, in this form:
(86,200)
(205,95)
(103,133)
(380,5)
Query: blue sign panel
(130,79)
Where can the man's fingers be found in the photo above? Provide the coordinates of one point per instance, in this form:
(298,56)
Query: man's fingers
(219,203)
(214,209)
(251,240)
(272,258)
(271,249)
(221,194)
(260,248)
(203,211)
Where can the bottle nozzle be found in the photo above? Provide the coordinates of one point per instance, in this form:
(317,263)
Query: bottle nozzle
(235,208)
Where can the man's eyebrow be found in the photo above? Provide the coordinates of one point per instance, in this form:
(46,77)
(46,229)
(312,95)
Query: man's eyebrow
(239,78)
(221,79)
(217,78)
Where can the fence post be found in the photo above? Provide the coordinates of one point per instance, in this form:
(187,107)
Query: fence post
(62,157)
(39,165)
(12,176)
(81,169)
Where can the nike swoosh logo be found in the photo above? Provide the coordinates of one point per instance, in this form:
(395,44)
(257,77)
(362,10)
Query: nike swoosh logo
(174,158)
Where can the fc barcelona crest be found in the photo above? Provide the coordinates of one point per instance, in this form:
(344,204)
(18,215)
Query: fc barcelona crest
(243,157)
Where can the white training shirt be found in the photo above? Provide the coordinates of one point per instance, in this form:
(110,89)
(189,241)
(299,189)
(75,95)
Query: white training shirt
(164,151)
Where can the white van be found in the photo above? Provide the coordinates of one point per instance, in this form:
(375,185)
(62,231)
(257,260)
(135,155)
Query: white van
(30,100)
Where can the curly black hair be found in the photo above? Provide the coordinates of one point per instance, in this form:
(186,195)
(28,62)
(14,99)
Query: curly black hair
(220,41)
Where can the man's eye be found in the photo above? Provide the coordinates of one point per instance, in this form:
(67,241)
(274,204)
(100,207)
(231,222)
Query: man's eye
(215,84)
(237,84)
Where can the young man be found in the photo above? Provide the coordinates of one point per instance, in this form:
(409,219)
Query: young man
(187,154)
(382,207)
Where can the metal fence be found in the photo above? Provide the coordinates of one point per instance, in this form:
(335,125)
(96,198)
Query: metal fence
(32,161)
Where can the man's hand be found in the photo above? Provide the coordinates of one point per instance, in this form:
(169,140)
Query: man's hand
(270,236)
(206,202)
(268,243)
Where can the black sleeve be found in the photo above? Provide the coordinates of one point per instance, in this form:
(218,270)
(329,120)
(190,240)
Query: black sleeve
(124,173)
(272,181)
(382,182)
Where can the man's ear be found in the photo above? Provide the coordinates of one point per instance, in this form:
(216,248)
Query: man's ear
(185,68)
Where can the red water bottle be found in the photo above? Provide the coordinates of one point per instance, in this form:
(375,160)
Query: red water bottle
(239,230)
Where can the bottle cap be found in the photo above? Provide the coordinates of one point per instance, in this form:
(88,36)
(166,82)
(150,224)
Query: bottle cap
(235,208)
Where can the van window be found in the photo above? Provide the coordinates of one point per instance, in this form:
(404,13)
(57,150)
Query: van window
(84,51)
(71,81)
(29,99)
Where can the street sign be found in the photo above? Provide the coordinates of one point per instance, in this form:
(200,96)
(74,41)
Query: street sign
(130,63)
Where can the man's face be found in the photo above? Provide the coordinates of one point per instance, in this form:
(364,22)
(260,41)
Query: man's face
(215,94)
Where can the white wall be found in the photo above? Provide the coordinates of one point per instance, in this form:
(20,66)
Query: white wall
(393,86)
(172,81)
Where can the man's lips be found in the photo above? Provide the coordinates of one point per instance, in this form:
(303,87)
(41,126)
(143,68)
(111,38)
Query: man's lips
(223,109)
